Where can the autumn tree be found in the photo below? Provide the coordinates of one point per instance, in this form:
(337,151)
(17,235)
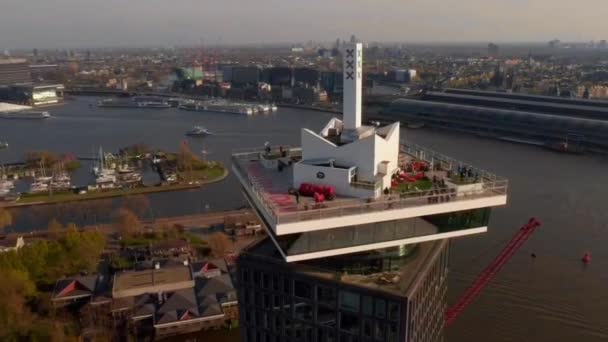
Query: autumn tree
(55,228)
(6,219)
(219,244)
(137,204)
(127,223)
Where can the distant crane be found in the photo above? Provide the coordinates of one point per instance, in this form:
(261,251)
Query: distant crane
(491,270)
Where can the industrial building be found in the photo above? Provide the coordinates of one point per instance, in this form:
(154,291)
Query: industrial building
(583,126)
(358,225)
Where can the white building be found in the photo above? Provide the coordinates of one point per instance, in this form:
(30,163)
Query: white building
(358,161)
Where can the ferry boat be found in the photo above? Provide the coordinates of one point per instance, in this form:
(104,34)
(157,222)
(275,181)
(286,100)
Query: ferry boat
(30,115)
(218,107)
(198,131)
(119,103)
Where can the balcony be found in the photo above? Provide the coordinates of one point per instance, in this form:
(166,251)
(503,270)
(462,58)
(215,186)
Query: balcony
(267,189)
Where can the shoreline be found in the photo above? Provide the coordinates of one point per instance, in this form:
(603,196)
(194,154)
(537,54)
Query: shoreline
(118,193)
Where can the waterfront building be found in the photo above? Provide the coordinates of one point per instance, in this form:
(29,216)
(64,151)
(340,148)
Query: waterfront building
(245,75)
(358,224)
(14,71)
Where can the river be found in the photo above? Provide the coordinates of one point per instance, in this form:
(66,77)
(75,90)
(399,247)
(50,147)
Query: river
(552,297)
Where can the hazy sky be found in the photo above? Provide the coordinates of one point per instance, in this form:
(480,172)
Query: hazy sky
(88,23)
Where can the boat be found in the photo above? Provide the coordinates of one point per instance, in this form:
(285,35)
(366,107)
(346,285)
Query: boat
(38,187)
(572,144)
(218,107)
(565,147)
(10,197)
(187,106)
(3,145)
(198,131)
(29,115)
(133,103)
(153,104)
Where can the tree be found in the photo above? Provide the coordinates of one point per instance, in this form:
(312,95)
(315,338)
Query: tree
(6,219)
(219,244)
(137,204)
(54,228)
(127,223)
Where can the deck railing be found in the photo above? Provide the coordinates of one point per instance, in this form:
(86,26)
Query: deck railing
(488,185)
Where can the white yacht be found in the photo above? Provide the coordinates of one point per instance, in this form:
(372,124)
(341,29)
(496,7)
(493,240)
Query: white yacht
(198,131)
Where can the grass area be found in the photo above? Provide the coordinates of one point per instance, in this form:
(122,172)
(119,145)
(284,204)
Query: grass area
(423,184)
(203,176)
(206,174)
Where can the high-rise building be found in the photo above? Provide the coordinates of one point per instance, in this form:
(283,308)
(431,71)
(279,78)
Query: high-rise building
(358,224)
(14,71)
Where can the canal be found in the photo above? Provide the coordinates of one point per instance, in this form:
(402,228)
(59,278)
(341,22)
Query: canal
(552,297)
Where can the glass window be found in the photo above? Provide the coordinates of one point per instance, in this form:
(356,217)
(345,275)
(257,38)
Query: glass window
(245,275)
(302,289)
(392,333)
(326,296)
(303,311)
(287,286)
(349,322)
(349,301)
(326,335)
(379,330)
(367,328)
(266,281)
(368,306)
(326,316)
(393,311)
(380,308)
(275,282)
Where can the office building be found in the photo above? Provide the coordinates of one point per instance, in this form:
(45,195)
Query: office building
(357,222)
(306,76)
(245,75)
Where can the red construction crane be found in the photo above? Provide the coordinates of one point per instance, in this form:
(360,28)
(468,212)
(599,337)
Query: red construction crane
(491,270)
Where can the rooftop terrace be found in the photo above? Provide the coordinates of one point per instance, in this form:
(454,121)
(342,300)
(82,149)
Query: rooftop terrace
(446,188)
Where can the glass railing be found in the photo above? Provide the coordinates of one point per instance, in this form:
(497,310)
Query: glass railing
(487,185)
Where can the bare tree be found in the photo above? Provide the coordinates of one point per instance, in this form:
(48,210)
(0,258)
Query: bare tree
(219,244)
(127,223)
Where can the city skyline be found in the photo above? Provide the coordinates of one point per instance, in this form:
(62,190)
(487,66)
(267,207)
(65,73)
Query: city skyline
(71,23)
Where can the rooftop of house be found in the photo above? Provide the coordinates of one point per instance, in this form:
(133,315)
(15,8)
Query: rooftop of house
(130,283)
(94,286)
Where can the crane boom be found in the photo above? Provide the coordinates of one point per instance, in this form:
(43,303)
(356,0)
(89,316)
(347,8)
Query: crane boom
(491,270)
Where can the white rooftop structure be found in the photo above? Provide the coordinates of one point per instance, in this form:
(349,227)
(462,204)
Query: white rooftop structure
(372,190)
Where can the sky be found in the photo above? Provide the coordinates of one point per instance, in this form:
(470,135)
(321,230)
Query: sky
(26,24)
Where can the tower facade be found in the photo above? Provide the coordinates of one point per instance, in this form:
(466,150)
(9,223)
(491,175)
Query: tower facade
(352,54)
